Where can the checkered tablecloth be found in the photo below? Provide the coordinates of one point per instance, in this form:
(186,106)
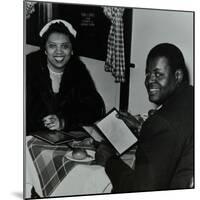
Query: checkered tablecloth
(50,162)
(52,166)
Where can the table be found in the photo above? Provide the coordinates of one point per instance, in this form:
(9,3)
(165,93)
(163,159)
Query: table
(60,177)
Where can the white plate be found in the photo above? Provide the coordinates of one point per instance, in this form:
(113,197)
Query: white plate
(87,159)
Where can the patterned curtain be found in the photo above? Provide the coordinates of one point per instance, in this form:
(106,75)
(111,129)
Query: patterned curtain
(115,61)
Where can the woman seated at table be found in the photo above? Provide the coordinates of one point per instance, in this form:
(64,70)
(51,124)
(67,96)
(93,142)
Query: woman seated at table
(60,93)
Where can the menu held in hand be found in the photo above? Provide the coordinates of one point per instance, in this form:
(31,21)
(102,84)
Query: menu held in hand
(114,130)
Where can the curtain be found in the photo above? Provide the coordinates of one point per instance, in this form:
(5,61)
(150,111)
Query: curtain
(115,60)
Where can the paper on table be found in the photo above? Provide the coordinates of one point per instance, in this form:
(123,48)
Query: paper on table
(59,137)
(117,132)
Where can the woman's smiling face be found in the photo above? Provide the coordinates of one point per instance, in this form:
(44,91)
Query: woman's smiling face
(160,81)
(58,50)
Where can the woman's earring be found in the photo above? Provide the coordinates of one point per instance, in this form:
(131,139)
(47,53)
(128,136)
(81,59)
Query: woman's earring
(72,53)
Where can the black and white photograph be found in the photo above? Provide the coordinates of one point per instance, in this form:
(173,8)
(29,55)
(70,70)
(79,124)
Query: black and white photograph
(82,62)
(108,99)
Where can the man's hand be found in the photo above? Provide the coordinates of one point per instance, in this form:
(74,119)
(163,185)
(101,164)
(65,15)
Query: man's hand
(103,153)
(52,122)
(132,122)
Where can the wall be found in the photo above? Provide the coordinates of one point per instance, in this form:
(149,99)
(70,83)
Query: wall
(151,27)
(104,81)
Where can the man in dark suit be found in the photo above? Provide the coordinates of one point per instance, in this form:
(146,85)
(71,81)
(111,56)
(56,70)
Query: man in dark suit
(165,152)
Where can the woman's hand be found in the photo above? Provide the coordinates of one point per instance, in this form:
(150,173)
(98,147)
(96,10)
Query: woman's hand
(52,122)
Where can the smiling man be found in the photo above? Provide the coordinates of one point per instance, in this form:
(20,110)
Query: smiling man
(164,157)
(160,82)
(165,72)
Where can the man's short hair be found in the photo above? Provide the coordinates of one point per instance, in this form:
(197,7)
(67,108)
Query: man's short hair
(174,56)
